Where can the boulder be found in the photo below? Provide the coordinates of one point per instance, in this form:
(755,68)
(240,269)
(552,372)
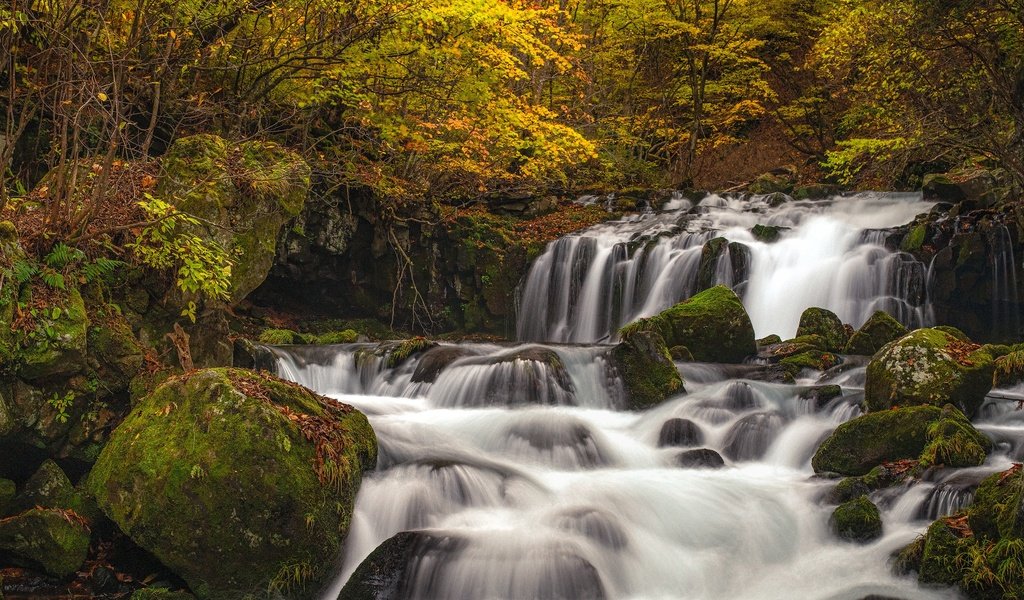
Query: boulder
(929,366)
(766,233)
(824,323)
(54,540)
(877,331)
(712,324)
(927,433)
(700,458)
(240,483)
(646,369)
(819,396)
(56,348)
(48,487)
(7,492)
(681,433)
(857,520)
(435,360)
(244,193)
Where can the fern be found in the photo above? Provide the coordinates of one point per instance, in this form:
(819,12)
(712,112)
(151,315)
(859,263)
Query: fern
(52,279)
(101,269)
(62,256)
(23,270)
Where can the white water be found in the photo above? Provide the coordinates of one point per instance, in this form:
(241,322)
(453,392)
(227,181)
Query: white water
(587,285)
(558,501)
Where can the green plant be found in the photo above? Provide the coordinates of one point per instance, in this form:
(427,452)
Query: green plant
(203,268)
(61,404)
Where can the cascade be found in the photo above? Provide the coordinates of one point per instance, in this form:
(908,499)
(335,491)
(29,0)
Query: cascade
(829,253)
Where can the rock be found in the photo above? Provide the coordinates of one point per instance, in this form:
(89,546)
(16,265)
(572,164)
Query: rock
(712,324)
(1009,369)
(420,564)
(824,323)
(810,359)
(435,360)
(929,366)
(711,254)
(877,331)
(998,508)
(819,396)
(976,188)
(49,487)
(857,520)
(59,348)
(159,593)
(771,183)
(680,353)
(417,345)
(345,336)
(701,458)
(214,474)
(682,433)
(915,238)
(246,192)
(815,191)
(7,493)
(118,354)
(768,341)
(51,539)
(749,437)
(766,233)
(279,337)
(925,433)
(646,369)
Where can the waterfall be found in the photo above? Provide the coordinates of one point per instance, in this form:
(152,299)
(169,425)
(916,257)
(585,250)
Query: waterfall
(830,254)
(520,477)
(1006,321)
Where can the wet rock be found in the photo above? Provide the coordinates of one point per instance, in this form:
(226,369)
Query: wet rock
(682,433)
(596,525)
(435,360)
(712,324)
(857,520)
(232,479)
(877,331)
(929,366)
(766,233)
(701,458)
(824,323)
(820,396)
(750,436)
(648,374)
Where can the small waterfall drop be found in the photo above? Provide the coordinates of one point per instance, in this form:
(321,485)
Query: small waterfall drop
(830,254)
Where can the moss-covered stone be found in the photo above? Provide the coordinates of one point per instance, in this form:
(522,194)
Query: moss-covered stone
(915,238)
(215,474)
(648,374)
(406,349)
(346,336)
(712,324)
(857,520)
(929,366)
(766,233)
(877,331)
(7,492)
(710,255)
(118,354)
(768,340)
(48,487)
(954,442)
(1009,369)
(279,337)
(810,359)
(57,347)
(824,323)
(862,443)
(244,192)
(771,183)
(158,593)
(51,539)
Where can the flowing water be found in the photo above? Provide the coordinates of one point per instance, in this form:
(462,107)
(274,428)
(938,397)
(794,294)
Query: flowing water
(830,254)
(526,478)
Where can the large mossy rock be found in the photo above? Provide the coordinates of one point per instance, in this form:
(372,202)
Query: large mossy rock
(236,481)
(927,433)
(648,374)
(53,540)
(244,192)
(824,323)
(713,325)
(877,331)
(980,548)
(58,345)
(857,520)
(929,366)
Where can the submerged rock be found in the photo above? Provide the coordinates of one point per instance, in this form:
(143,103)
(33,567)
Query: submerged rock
(877,331)
(681,433)
(240,483)
(857,520)
(648,374)
(929,366)
(701,458)
(713,325)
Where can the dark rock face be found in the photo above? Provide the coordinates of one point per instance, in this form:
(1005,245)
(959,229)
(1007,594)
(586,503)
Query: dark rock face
(701,458)
(682,433)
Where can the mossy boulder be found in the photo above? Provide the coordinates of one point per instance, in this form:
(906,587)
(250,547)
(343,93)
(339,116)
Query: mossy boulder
(53,540)
(877,331)
(159,593)
(236,481)
(279,337)
(855,447)
(345,336)
(824,323)
(857,520)
(1009,369)
(117,354)
(49,487)
(645,366)
(929,366)
(244,193)
(57,346)
(712,324)
(7,492)
(766,233)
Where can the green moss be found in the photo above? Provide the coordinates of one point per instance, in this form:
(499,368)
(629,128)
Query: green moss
(50,539)
(645,366)
(929,366)
(407,348)
(824,323)
(915,238)
(1009,369)
(766,233)
(953,331)
(57,347)
(157,593)
(211,475)
(810,359)
(7,492)
(857,520)
(279,337)
(347,336)
(768,340)
(712,324)
(877,331)
(48,487)
(855,447)
(954,442)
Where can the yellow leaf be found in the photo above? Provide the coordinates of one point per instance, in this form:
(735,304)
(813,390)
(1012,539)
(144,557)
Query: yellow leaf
(102,97)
